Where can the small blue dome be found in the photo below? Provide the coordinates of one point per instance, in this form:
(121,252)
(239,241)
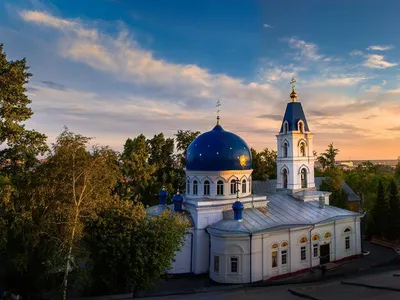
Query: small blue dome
(177,198)
(218,150)
(238,210)
(237,206)
(162,195)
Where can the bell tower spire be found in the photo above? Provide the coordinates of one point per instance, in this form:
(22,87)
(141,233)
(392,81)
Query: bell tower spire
(293,94)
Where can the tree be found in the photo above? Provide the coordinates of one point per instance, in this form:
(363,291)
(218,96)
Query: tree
(380,212)
(394,211)
(264,164)
(20,146)
(327,159)
(76,183)
(183,140)
(131,251)
(397,169)
(163,158)
(333,183)
(137,168)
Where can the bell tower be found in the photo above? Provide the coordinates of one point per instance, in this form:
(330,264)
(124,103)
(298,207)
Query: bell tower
(295,160)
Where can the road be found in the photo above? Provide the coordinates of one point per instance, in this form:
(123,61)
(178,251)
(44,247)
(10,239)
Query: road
(382,285)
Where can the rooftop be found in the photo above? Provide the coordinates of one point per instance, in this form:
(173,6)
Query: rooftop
(283,212)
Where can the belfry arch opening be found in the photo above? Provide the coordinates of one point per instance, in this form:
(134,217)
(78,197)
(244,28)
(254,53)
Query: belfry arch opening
(285,178)
(303,178)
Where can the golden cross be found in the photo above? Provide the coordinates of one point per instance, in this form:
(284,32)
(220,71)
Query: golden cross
(292,82)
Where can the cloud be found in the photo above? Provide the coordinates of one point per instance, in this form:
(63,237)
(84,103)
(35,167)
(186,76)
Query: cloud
(380,47)
(356,52)
(307,50)
(275,117)
(370,117)
(267,25)
(123,58)
(337,81)
(53,85)
(396,128)
(376,61)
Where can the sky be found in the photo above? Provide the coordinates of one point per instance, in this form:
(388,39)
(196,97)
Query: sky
(113,69)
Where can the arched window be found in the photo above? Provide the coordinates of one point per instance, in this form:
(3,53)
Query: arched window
(327,235)
(303,178)
(220,188)
(302,149)
(285,149)
(285,178)
(303,248)
(244,188)
(303,240)
(347,230)
(301,127)
(233,186)
(284,244)
(285,128)
(206,188)
(274,255)
(188,187)
(315,237)
(195,187)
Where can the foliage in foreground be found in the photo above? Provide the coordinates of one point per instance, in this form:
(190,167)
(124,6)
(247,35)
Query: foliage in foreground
(130,252)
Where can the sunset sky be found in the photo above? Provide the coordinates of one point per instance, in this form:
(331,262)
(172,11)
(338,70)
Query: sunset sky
(113,69)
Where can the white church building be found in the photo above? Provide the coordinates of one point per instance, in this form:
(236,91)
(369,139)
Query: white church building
(241,237)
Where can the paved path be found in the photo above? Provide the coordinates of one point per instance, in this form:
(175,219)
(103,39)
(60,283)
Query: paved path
(381,285)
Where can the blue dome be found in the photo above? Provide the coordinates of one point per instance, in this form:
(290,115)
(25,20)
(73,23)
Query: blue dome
(177,198)
(162,195)
(218,150)
(237,206)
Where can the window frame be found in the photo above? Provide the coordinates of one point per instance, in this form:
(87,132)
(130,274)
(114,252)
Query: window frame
(315,250)
(284,254)
(285,149)
(195,187)
(233,183)
(347,245)
(206,188)
(220,188)
(244,186)
(188,187)
(216,264)
(303,250)
(231,263)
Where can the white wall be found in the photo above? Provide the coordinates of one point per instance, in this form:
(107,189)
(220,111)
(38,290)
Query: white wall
(183,258)
(226,246)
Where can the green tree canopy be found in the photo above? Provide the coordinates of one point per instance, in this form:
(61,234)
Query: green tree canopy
(327,159)
(77,183)
(183,140)
(21,146)
(264,164)
(130,251)
(380,212)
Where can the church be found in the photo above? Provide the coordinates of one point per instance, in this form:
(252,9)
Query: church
(238,236)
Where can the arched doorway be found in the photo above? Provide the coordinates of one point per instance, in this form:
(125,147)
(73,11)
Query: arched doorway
(304,178)
(285,178)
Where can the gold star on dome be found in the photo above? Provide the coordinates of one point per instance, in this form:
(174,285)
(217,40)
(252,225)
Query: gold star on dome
(243,160)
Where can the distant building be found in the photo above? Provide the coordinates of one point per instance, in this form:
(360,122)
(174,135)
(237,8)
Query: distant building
(241,233)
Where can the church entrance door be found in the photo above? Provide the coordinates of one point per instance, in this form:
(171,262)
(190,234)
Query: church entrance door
(324,253)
